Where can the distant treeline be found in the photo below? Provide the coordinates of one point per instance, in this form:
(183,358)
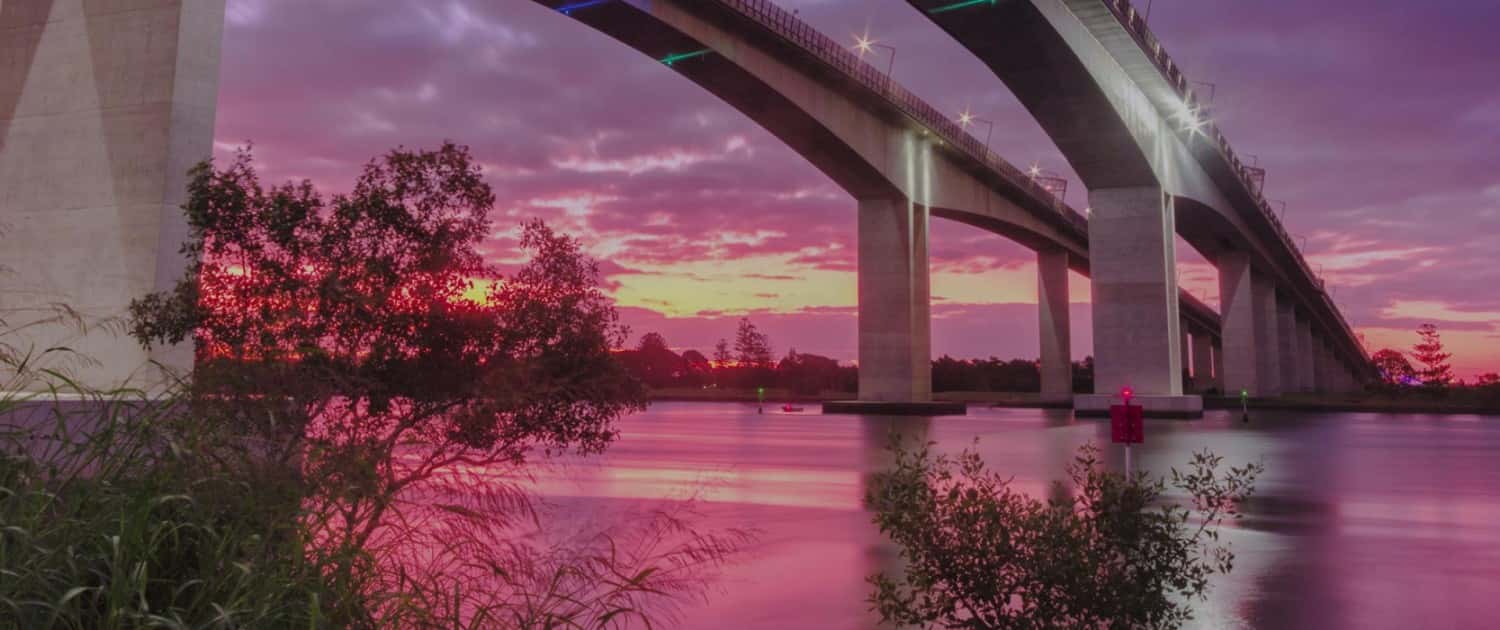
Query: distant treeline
(748,364)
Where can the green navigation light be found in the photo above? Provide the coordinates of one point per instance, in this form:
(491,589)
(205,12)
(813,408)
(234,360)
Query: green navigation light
(672,59)
(960,5)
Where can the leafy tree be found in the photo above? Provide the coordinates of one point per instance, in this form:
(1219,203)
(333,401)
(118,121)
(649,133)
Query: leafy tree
(1395,370)
(338,352)
(653,362)
(808,374)
(653,342)
(751,346)
(722,355)
(1108,554)
(1488,379)
(1435,372)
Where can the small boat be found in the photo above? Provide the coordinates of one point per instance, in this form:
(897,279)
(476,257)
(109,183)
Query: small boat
(789,408)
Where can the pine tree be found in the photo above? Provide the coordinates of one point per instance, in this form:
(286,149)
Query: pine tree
(751,346)
(1435,372)
(722,357)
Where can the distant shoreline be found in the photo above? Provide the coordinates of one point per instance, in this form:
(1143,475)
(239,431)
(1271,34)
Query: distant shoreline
(1032,400)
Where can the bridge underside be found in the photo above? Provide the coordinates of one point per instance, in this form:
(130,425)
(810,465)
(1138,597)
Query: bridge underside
(1126,131)
(127,192)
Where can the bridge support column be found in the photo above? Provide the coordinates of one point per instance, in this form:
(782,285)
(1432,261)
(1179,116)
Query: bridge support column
(895,357)
(1267,355)
(1287,349)
(1237,313)
(1136,321)
(1307,382)
(103,108)
(1204,377)
(1321,367)
(1056,343)
(1219,369)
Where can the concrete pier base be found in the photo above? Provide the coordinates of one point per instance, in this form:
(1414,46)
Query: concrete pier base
(1097,405)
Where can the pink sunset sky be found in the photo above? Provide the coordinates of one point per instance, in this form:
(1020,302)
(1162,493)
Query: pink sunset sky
(1378,123)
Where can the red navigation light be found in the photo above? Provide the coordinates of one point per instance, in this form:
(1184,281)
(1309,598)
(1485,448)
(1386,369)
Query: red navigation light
(1126,394)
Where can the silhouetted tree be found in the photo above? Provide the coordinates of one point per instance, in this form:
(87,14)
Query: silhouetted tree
(1395,370)
(722,356)
(1435,373)
(654,363)
(752,348)
(335,332)
(808,374)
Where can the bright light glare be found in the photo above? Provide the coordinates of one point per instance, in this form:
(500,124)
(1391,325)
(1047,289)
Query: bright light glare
(1034,171)
(965,118)
(863,43)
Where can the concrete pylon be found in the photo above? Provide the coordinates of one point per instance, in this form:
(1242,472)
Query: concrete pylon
(1267,348)
(1287,348)
(104,106)
(1204,377)
(1054,320)
(1306,382)
(1237,317)
(1135,299)
(895,332)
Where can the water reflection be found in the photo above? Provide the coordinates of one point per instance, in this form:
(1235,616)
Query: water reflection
(1360,521)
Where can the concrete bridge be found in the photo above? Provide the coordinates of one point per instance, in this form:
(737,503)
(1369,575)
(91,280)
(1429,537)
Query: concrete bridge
(92,158)
(1127,120)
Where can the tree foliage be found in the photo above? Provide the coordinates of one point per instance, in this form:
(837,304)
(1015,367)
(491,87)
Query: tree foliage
(1114,553)
(1436,372)
(1395,370)
(752,348)
(360,352)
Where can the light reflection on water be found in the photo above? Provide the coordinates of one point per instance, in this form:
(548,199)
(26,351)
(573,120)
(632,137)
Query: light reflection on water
(1360,521)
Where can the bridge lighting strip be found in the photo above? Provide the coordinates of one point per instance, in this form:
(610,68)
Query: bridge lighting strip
(568,9)
(672,59)
(959,5)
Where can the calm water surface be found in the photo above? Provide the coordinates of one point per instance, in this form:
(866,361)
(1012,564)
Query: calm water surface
(1360,521)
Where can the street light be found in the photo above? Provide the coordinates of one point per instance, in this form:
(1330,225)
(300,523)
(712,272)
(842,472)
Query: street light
(966,118)
(864,43)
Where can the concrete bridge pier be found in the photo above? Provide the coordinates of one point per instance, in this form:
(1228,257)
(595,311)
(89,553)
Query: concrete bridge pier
(895,332)
(1054,320)
(104,106)
(1237,313)
(1287,349)
(1315,359)
(1267,348)
(1204,376)
(1306,381)
(1136,321)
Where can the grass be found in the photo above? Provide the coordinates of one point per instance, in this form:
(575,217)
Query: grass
(106,521)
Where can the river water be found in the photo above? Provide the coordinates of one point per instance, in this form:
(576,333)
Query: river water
(1360,520)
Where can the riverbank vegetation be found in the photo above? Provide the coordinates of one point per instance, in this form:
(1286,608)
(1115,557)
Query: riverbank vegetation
(353,446)
(1103,551)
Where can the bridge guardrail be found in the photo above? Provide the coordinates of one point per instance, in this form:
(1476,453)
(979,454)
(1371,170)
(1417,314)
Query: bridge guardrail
(1135,24)
(792,29)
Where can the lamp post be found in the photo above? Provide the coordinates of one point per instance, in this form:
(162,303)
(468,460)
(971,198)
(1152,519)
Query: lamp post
(965,119)
(864,43)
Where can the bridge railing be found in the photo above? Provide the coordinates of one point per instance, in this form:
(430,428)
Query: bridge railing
(1135,24)
(792,29)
